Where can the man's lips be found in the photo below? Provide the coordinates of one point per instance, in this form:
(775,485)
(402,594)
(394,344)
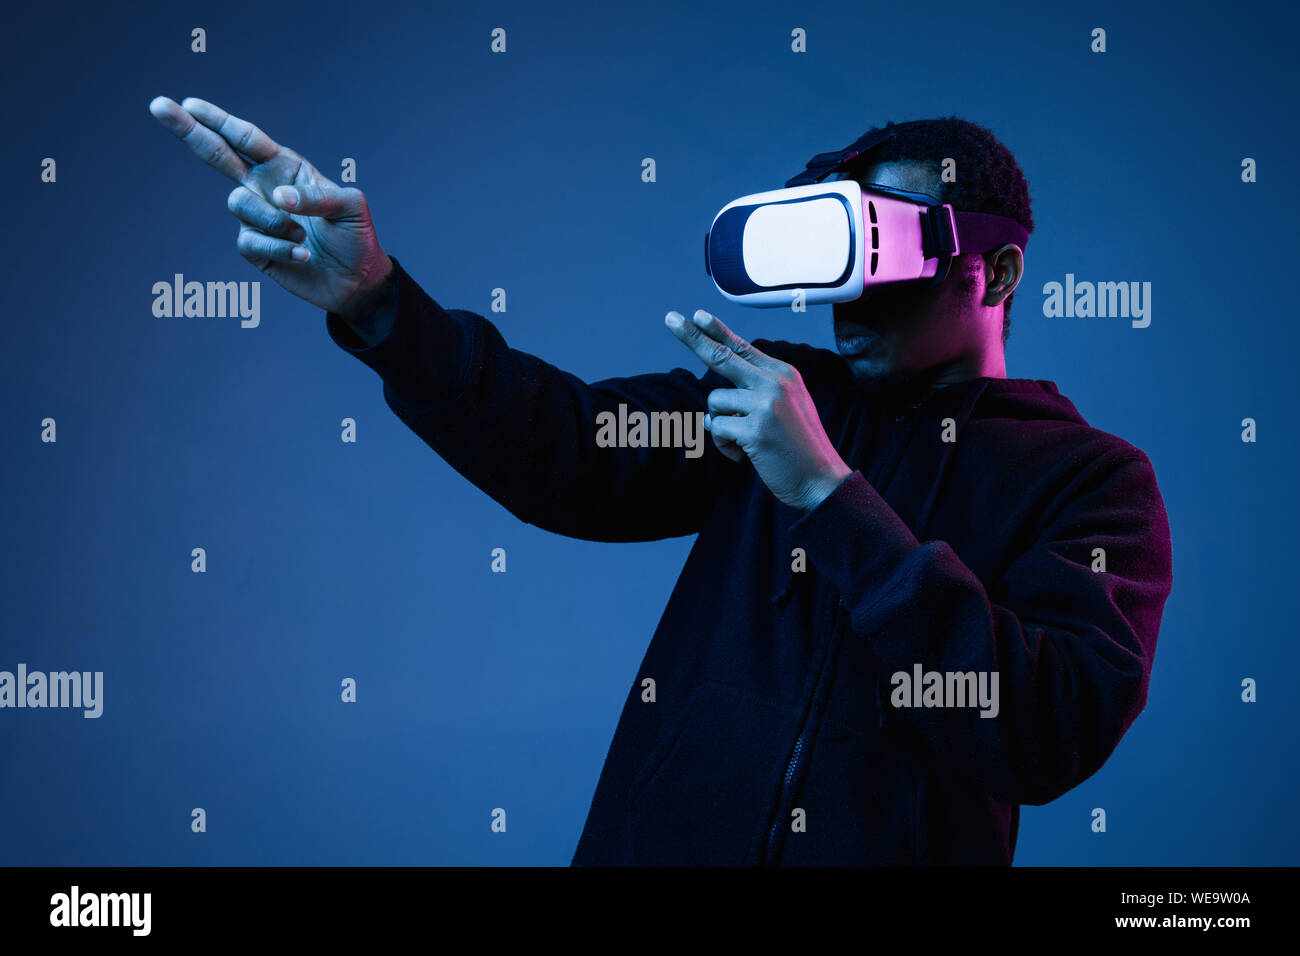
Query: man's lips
(854,339)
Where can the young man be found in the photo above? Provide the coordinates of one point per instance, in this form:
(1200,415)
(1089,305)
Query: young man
(922,594)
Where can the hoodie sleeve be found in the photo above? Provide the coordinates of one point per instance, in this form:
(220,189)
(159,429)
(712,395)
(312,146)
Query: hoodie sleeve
(1072,647)
(525,432)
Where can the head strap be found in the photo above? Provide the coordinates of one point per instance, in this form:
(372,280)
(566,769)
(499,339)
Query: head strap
(823,164)
(975,231)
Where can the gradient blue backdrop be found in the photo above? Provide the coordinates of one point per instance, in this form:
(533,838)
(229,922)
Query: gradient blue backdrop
(328,560)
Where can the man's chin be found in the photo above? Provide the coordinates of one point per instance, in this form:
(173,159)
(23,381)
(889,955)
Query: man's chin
(874,377)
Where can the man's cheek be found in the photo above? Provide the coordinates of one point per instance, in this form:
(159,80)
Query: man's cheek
(902,301)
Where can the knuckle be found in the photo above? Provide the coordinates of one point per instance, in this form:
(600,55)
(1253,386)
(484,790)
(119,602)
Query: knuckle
(255,244)
(249,210)
(215,154)
(718,354)
(274,221)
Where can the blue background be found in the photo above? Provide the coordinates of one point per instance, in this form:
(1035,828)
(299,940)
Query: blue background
(522,170)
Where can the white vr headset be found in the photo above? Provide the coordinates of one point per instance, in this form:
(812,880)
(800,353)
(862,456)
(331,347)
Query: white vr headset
(832,240)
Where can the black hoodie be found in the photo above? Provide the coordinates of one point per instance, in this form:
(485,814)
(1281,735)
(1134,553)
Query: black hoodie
(987,530)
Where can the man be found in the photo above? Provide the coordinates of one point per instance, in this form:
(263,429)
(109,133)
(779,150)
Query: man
(922,594)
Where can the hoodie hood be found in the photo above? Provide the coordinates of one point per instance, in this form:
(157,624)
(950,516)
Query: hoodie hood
(985,398)
(1020,399)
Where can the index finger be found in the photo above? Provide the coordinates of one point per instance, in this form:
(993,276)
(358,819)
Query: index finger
(716,355)
(239,133)
(715,329)
(203,142)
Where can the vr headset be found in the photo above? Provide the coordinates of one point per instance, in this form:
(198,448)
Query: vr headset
(832,240)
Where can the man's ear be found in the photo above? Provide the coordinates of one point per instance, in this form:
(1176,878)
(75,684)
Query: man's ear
(1003,269)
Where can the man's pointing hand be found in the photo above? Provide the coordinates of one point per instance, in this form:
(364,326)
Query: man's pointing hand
(312,236)
(769,417)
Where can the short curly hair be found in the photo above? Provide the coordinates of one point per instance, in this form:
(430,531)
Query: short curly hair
(988,177)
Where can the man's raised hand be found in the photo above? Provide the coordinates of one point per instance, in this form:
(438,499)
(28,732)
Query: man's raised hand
(312,236)
(768,417)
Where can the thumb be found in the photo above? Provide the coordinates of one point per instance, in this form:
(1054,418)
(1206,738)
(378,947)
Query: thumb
(319,199)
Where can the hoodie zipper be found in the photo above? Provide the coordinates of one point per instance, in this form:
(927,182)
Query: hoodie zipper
(790,769)
(796,754)
(801,740)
